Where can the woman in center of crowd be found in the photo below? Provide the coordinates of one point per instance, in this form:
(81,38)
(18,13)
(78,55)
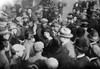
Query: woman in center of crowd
(51,44)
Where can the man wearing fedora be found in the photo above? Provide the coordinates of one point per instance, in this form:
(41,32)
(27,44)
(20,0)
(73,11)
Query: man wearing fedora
(4,47)
(65,35)
(94,48)
(66,55)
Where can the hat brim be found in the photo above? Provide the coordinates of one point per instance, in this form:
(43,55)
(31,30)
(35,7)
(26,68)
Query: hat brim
(66,36)
(2,33)
(91,38)
(5,32)
(94,39)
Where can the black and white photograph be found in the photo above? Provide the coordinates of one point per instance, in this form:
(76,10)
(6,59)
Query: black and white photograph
(49,34)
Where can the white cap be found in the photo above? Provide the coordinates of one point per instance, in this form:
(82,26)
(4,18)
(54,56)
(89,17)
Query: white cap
(38,46)
(52,63)
(18,47)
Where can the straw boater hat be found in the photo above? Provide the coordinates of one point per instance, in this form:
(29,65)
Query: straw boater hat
(93,36)
(65,32)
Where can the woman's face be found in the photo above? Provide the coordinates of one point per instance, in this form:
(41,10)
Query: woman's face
(47,34)
(14,31)
(75,18)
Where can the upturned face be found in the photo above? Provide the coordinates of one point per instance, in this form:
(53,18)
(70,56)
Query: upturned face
(14,31)
(47,34)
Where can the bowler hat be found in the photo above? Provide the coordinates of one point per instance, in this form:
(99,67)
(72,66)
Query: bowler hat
(70,16)
(93,36)
(84,24)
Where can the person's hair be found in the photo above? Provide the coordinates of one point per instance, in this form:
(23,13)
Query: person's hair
(80,32)
(47,30)
(2,44)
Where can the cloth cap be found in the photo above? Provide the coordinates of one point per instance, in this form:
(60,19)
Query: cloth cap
(52,63)
(44,20)
(38,46)
(18,47)
(4,30)
(25,16)
(3,24)
(19,18)
(13,26)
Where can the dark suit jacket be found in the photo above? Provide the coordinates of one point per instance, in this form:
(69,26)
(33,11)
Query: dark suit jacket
(82,44)
(83,62)
(65,62)
(51,48)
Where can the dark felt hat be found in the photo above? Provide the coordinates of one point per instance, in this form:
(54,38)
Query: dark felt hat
(93,36)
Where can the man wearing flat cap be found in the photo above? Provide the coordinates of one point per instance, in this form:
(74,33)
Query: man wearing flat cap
(38,46)
(16,61)
(65,35)
(40,28)
(46,12)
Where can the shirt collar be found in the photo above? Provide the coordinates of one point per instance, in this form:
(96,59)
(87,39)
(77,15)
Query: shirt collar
(65,42)
(80,56)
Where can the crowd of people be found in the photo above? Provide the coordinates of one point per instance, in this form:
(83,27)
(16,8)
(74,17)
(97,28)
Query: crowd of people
(43,40)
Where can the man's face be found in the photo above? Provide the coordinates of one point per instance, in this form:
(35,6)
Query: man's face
(20,53)
(39,15)
(29,11)
(44,25)
(31,24)
(26,19)
(75,18)
(56,13)
(56,29)
(62,39)
(6,36)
